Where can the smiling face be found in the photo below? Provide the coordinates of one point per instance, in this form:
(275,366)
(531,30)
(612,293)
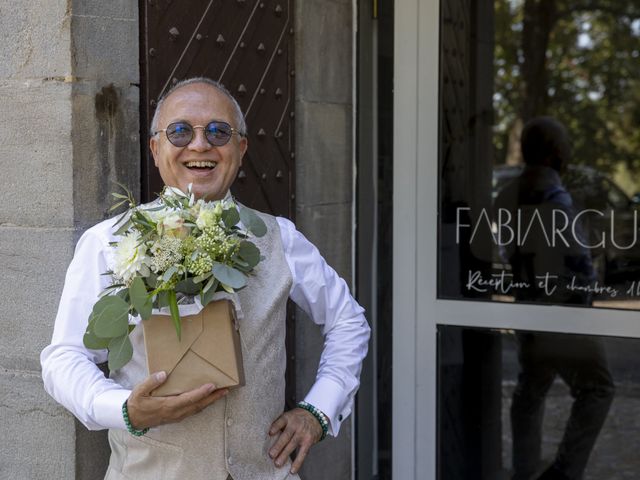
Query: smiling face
(210,169)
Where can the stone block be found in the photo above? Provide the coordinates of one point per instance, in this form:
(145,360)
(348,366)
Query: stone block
(329,227)
(36,153)
(38,36)
(330,458)
(114,41)
(92,453)
(34,263)
(113,9)
(324,48)
(37,440)
(105,105)
(106,147)
(309,344)
(324,159)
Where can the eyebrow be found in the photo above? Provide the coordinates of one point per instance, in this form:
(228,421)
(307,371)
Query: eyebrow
(181,120)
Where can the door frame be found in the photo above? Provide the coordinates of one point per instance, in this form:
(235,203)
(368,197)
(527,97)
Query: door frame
(416,309)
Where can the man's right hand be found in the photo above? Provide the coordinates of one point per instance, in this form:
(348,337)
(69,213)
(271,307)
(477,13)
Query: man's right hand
(146,411)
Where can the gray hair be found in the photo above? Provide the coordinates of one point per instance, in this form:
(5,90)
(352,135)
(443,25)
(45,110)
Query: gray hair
(240,121)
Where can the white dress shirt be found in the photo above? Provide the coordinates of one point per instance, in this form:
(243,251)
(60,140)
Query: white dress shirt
(69,369)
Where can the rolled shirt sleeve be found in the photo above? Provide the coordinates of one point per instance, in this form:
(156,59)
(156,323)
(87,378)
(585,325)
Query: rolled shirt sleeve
(72,377)
(324,296)
(69,369)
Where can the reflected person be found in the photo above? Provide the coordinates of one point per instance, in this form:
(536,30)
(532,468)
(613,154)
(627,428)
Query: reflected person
(539,194)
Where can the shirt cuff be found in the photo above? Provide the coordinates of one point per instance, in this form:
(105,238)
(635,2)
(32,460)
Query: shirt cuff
(107,408)
(328,397)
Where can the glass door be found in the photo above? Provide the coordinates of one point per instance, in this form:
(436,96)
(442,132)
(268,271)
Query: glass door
(516,246)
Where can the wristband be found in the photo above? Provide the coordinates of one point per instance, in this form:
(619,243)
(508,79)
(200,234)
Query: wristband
(133,431)
(321,417)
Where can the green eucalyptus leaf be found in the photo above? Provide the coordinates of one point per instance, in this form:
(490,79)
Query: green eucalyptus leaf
(138,294)
(252,222)
(212,284)
(249,253)
(116,206)
(152,280)
(93,342)
(187,286)
(207,296)
(241,265)
(111,290)
(175,313)
(146,309)
(120,352)
(201,278)
(123,294)
(238,262)
(110,317)
(169,273)
(124,227)
(163,299)
(229,276)
(230,217)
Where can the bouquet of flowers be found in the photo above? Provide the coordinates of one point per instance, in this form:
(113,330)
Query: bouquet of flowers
(173,248)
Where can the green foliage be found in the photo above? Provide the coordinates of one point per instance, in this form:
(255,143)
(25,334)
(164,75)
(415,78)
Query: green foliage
(247,256)
(230,217)
(120,352)
(140,300)
(590,75)
(179,246)
(175,313)
(91,340)
(229,276)
(253,222)
(110,317)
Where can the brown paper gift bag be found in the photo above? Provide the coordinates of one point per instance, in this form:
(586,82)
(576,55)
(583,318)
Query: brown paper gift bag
(209,351)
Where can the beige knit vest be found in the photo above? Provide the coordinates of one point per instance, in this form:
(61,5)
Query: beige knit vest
(230,436)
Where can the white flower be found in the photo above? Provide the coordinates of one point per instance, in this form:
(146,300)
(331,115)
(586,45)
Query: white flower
(206,217)
(173,226)
(166,252)
(154,214)
(130,258)
(174,192)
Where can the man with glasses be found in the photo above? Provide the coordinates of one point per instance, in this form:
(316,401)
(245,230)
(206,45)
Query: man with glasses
(199,138)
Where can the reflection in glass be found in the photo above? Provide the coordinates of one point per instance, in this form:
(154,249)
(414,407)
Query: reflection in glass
(521,405)
(539,232)
(549,269)
(505,63)
(581,363)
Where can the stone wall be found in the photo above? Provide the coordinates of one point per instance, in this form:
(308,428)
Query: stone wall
(68,83)
(324,178)
(69,93)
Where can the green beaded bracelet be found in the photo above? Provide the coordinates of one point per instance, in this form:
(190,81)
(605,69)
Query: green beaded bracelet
(133,431)
(321,417)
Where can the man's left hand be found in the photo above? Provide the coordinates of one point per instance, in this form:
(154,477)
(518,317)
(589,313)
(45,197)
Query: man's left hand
(298,429)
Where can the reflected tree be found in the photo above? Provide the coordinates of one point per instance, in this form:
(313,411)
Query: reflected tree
(577,60)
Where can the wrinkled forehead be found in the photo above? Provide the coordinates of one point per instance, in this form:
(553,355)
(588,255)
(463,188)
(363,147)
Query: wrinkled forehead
(197,102)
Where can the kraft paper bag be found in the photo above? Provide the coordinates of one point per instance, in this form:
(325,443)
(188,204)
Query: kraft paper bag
(209,351)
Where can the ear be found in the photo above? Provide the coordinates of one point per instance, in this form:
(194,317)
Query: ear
(153,146)
(244,144)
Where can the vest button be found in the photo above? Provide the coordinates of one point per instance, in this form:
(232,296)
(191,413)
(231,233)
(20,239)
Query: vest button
(230,461)
(229,422)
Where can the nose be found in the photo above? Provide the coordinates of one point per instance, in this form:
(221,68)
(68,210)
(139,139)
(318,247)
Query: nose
(199,142)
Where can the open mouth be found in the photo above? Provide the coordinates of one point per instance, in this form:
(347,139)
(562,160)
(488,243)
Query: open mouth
(201,166)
